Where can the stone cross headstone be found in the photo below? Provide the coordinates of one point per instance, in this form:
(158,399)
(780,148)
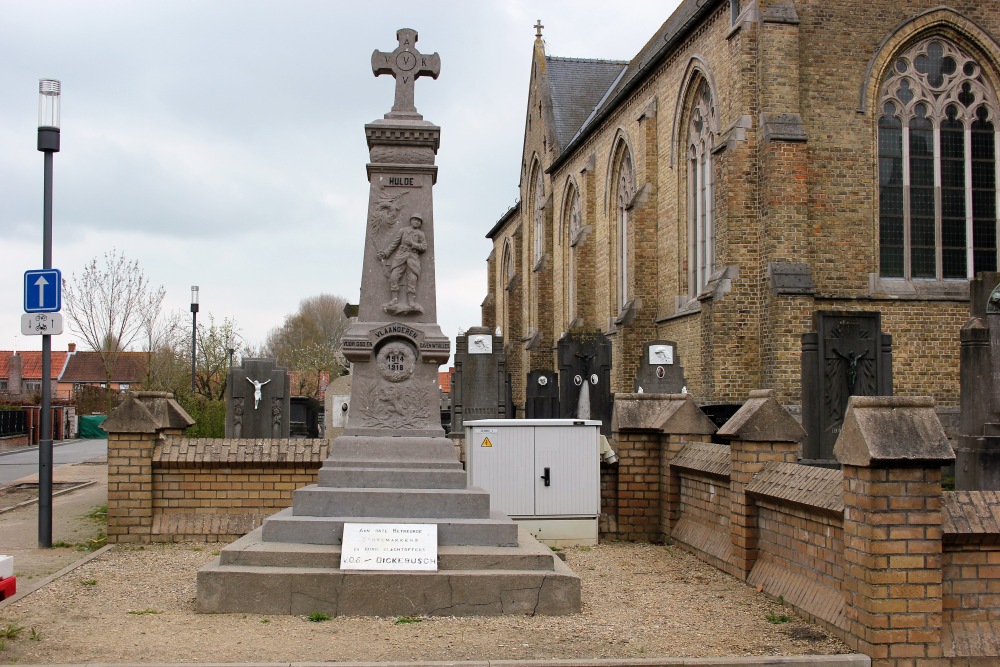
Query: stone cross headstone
(406,64)
(977,456)
(258,397)
(585,377)
(478,387)
(847,355)
(541,399)
(660,370)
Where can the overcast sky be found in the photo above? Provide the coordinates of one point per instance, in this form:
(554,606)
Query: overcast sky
(222,144)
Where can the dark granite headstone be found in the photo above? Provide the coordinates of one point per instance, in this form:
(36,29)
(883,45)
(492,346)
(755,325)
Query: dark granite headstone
(258,397)
(478,388)
(847,355)
(542,395)
(977,456)
(585,378)
(660,370)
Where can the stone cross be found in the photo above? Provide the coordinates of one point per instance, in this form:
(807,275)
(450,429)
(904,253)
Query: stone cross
(538,29)
(405,64)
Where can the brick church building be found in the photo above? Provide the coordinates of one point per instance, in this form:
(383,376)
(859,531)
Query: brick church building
(757,165)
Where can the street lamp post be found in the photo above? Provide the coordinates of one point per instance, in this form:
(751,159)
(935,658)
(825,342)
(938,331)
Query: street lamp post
(48,143)
(194,332)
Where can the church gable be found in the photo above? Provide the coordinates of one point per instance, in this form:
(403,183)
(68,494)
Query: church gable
(577,86)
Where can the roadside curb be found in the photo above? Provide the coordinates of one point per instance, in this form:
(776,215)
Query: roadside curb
(842,660)
(35,585)
(81,485)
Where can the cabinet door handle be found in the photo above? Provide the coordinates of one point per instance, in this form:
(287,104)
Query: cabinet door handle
(548,480)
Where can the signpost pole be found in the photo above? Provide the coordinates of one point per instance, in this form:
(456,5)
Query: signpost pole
(48,143)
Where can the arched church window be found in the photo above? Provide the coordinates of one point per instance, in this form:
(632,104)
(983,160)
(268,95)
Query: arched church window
(937,160)
(626,192)
(538,213)
(574,231)
(701,194)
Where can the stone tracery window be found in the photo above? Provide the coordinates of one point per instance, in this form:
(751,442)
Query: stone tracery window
(938,141)
(626,192)
(701,191)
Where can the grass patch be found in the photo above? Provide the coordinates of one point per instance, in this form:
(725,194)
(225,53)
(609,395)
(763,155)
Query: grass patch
(318,617)
(400,620)
(777,618)
(145,612)
(89,582)
(99,514)
(11,631)
(34,635)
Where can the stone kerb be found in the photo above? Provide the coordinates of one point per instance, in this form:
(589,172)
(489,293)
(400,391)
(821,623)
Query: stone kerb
(761,432)
(892,450)
(134,428)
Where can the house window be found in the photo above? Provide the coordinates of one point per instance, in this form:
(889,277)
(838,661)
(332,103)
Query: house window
(538,212)
(701,194)
(937,153)
(626,192)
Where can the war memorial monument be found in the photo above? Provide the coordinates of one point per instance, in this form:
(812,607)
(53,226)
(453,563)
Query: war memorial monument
(392,495)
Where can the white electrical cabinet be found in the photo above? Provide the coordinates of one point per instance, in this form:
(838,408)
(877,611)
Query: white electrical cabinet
(543,473)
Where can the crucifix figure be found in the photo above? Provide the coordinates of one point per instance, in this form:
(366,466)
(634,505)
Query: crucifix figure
(256,390)
(405,64)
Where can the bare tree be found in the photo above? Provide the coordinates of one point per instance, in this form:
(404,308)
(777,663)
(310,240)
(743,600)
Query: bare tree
(110,304)
(309,340)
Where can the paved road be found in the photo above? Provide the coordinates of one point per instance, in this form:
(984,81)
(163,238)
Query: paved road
(18,464)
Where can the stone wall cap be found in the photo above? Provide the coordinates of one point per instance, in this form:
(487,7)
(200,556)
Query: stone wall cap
(131,416)
(667,413)
(883,430)
(762,419)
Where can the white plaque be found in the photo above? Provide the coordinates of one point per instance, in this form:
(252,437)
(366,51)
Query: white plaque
(481,344)
(661,354)
(389,546)
(38,324)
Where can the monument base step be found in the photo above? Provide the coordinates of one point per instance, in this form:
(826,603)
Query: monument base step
(244,579)
(403,503)
(498,530)
(393,478)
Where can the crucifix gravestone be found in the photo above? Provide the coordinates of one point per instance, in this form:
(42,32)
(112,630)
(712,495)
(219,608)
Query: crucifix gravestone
(585,377)
(257,400)
(847,355)
(392,465)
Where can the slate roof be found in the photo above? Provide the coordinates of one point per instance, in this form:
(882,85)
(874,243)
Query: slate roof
(31,364)
(87,367)
(577,86)
(660,45)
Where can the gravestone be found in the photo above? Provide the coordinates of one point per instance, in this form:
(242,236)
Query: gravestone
(258,395)
(541,400)
(977,456)
(392,465)
(585,377)
(478,387)
(338,403)
(660,370)
(847,355)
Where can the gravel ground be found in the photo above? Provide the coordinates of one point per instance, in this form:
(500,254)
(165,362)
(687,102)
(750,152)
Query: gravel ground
(136,605)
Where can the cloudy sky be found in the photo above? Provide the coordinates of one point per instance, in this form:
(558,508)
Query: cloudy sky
(221,143)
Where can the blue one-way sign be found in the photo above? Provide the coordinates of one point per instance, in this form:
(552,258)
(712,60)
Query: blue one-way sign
(43,291)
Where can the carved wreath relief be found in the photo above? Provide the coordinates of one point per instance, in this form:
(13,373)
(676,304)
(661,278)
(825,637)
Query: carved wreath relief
(393,399)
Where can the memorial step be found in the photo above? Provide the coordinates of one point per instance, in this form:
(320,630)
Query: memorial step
(252,552)
(466,503)
(286,527)
(393,478)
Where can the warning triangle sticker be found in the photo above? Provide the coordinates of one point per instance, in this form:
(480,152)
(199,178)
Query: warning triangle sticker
(486,443)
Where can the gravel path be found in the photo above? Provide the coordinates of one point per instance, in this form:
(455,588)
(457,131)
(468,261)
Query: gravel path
(136,605)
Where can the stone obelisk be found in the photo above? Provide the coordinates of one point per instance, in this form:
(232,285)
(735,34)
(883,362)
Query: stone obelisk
(393,464)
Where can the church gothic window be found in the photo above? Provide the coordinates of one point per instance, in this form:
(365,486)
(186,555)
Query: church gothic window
(937,161)
(701,195)
(574,231)
(626,192)
(538,215)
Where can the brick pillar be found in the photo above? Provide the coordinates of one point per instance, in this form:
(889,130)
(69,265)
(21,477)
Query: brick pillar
(638,425)
(133,429)
(761,432)
(892,450)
